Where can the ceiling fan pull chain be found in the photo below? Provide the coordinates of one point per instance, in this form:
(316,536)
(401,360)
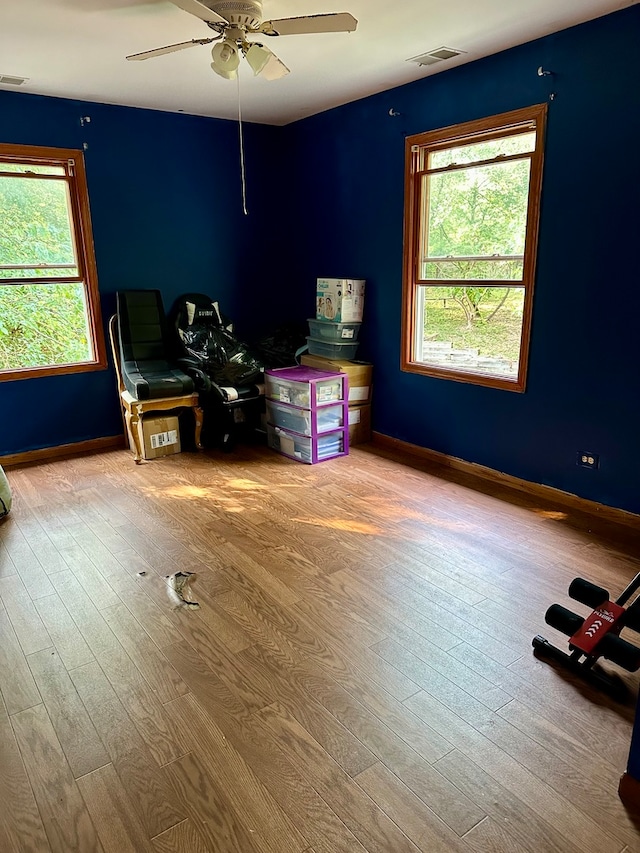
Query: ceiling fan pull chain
(242,171)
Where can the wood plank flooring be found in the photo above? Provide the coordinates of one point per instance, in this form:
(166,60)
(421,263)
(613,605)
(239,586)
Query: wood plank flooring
(359,676)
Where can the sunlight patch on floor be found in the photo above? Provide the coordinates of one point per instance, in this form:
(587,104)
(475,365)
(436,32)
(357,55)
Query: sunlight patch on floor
(216,490)
(214,496)
(349,525)
(185,491)
(245,485)
(552,514)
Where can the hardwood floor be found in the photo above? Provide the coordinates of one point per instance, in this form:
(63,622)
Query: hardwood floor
(359,676)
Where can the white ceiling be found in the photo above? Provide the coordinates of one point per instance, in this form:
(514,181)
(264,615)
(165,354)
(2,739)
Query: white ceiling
(76,49)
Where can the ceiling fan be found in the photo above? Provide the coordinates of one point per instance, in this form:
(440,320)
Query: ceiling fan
(234,22)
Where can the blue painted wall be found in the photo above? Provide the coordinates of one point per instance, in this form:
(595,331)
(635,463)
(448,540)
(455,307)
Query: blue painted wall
(583,389)
(164,193)
(325,198)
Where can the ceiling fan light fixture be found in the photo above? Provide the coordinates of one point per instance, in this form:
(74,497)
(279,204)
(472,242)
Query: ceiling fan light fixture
(274,68)
(225,59)
(258,56)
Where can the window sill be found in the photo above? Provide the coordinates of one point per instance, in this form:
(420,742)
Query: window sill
(467,377)
(51,370)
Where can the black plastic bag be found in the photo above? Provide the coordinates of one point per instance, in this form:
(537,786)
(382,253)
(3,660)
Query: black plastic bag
(221,355)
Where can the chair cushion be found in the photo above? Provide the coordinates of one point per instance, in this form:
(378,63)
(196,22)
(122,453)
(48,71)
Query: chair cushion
(142,325)
(151,380)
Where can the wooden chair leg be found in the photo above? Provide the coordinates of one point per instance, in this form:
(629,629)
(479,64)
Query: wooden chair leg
(133,421)
(199,417)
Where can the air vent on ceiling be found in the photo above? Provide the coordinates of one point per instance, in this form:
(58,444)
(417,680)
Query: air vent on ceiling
(11,80)
(437,55)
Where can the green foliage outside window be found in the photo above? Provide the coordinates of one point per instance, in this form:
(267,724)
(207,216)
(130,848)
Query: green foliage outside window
(35,227)
(478,211)
(42,324)
(488,320)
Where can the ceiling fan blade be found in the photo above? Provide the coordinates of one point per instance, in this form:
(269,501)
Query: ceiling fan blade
(338,22)
(170,48)
(200,11)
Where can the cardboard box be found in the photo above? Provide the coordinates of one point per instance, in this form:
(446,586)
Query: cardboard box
(359,373)
(340,300)
(159,436)
(359,424)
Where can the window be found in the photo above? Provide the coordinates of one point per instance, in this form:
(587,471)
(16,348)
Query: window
(472,199)
(49,304)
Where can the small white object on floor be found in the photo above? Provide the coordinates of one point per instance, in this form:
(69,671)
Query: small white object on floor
(178,589)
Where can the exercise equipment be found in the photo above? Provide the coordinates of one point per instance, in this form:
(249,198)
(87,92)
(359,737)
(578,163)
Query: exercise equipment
(597,636)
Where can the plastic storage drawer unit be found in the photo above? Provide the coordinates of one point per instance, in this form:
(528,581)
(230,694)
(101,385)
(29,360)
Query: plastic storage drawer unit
(304,386)
(307,413)
(306,421)
(306,448)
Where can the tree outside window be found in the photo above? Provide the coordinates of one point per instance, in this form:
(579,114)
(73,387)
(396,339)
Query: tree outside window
(471,221)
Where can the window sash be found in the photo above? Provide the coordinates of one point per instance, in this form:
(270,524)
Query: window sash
(460,167)
(476,365)
(67,178)
(38,267)
(481,171)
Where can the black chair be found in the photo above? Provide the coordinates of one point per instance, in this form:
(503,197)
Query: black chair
(148,381)
(144,347)
(227,374)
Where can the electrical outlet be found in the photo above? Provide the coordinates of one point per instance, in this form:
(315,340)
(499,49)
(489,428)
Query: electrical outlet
(586,459)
